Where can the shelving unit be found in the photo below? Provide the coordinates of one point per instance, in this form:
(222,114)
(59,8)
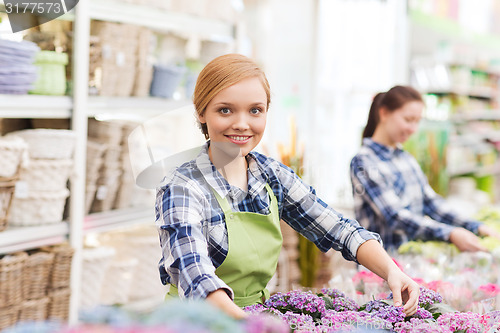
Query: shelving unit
(80,106)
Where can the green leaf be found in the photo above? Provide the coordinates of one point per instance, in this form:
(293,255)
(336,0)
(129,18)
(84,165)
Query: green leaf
(437,309)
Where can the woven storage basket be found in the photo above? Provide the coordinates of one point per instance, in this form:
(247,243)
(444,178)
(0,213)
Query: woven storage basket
(142,244)
(107,186)
(46,175)
(117,282)
(38,208)
(8,316)
(94,265)
(11,277)
(108,132)
(7,189)
(47,143)
(11,154)
(60,272)
(34,310)
(51,79)
(36,274)
(59,304)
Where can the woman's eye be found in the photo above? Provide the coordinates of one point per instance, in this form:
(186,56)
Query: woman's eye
(225,111)
(255,111)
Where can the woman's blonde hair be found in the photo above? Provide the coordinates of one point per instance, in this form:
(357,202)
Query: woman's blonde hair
(223,72)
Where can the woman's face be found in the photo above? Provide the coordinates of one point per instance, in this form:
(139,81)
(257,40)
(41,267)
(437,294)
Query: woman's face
(400,124)
(236,116)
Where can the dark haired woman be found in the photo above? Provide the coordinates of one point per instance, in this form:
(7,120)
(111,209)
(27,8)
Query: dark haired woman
(391,193)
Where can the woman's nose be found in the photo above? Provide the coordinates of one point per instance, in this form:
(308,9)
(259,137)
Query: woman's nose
(240,122)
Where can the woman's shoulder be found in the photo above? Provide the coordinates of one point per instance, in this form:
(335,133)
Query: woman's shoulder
(186,175)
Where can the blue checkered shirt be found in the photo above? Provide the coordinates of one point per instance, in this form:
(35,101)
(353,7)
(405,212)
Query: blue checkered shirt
(193,235)
(393,198)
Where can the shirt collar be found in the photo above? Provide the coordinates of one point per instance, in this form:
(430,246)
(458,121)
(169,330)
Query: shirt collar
(385,152)
(257,177)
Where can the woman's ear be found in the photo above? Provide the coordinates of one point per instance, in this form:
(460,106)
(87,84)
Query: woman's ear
(201,118)
(382,113)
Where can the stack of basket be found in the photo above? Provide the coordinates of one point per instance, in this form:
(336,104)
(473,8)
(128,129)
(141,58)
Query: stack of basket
(59,278)
(35,285)
(138,250)
(118,44)
(109,135)
(11,291)
(41,191)
(11,152)
(95,263)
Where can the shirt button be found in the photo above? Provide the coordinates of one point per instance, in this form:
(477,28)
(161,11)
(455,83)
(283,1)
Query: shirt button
(231,216)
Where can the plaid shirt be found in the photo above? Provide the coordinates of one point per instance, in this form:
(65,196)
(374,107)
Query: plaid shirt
(393,198)
(191,226)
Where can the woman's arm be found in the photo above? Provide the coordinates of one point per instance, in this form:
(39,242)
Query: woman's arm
(404,290)
(220,299)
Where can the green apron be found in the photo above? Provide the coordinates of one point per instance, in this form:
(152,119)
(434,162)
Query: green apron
(254,246)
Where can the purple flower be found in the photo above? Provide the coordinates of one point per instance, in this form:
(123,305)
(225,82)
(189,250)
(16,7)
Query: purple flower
(255,308)
(469,322)
(298,302)
(339,301)
(422,314)
(265,323)
(428,297)
(416,325)
(299,322)
(381,309)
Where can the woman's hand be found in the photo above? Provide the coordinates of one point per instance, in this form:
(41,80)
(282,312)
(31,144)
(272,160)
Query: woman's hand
(465,240)
(485,230)
(404,291)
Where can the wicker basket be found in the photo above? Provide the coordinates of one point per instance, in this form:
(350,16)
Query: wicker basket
(59,304)
(7,189)
(61,267)
(8,316)
(11,277)
(36,274)
(47,143)
(95,263)
(11,154)
(142,244)
(117,282)
(34,310)
(46,175)
(107,132)
(38,208)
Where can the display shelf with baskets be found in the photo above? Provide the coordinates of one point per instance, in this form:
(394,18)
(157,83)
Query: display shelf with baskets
(25,238)
(77,107)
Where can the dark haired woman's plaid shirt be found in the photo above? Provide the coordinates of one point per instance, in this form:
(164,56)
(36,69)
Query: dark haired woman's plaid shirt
(393,198)
(193,233)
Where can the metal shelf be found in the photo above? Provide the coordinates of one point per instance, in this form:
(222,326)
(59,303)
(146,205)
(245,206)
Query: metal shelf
(35,106)
(25,238)
(161,20)
(118,219)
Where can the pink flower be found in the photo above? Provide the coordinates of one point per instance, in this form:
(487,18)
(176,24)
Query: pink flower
(365,276)
(490,289)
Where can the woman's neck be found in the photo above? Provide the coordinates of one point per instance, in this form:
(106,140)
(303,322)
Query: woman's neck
(233,167)
(381,138)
